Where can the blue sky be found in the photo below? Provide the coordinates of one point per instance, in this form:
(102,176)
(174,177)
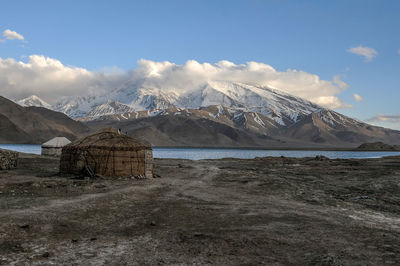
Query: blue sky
(311,36)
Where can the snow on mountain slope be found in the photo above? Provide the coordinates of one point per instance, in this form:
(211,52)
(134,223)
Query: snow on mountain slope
(108,108)
(233,117)
(34,101)
(336,120)
(79,106)
(280,106)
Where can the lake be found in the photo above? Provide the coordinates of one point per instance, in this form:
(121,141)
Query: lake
(200,153)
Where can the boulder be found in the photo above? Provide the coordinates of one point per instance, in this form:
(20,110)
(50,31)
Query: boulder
(8,159)
(321,158)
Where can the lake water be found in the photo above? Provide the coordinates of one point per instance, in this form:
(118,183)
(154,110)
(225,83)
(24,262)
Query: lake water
(199,153)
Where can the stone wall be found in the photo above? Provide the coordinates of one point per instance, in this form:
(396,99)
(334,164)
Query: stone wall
(8,159)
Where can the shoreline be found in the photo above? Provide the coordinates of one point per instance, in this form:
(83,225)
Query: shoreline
(254,148)
(276,148)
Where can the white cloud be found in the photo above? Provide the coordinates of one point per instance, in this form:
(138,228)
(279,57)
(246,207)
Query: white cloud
(50,79)
(390,121)
(12,35)
(367,52)
(357,97)
(332,102)
(398,51)
(385,118)
(340,83)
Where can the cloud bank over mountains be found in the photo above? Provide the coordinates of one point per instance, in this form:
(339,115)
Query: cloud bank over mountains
(50,79)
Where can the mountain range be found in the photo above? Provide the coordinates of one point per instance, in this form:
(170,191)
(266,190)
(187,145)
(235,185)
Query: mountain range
(270,102)
(218,113)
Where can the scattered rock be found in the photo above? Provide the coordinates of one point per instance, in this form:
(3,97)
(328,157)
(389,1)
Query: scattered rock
(17,248)
(362,197)
(199,235)
(46,254)
(326,260)
(24,226)
(74,240)
(153,223)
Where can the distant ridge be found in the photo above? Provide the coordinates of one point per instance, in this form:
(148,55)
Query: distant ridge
(221,126)
(35,124)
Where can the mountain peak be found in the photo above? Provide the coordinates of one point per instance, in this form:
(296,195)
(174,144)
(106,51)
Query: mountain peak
(33,100)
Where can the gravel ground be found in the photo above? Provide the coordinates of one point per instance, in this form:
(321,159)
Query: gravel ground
(271,211)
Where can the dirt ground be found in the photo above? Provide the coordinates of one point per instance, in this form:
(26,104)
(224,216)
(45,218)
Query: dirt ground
(272,211)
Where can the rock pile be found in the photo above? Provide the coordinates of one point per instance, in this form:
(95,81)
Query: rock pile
(8,159)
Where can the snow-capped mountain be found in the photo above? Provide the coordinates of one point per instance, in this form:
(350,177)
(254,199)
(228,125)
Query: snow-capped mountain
(284,107)
(223,113)
(108,108)
(34,101)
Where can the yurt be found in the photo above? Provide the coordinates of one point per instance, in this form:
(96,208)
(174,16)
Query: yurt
(54,146)
(108,153)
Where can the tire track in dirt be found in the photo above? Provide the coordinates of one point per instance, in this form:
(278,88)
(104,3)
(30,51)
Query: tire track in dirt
(54,205)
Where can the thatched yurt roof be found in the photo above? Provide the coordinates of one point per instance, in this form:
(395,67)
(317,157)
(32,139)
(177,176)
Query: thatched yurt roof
(108,139)
(57,142)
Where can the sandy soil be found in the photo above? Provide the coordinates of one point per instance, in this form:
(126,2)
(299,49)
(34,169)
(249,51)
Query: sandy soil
(273,211)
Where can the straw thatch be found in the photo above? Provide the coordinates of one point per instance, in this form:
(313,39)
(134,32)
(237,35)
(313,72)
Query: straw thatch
(108,153)
(54,146)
